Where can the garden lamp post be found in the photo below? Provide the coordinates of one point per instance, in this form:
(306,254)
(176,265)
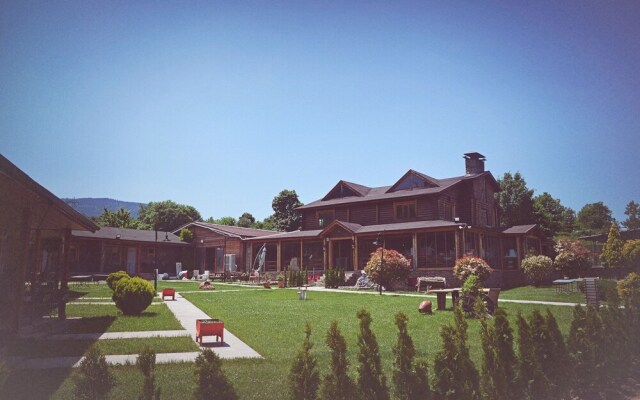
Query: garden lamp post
(380,242)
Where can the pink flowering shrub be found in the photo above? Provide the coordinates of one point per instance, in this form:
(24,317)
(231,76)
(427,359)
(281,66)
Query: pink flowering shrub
(469,265)
(396,267)
(573,257)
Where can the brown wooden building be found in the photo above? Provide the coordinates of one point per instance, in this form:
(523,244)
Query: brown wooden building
(118,249)
(218,245)
(431,221)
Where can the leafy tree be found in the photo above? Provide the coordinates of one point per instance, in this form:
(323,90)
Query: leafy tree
(631,253)
(456,377)
(498,370)
(537,269)
(146,362)
(268,223)
(186,235)
(166,215)
(551,216)
(93,380)
(121,218)
(409,380)
(632,211)
(304,376)
(612,250)
(211,381)
(594,218)
(516,200)
(284,214)
(229,221)
(573,257)
(337,384)
(246,220)
(372,383)
(384,270)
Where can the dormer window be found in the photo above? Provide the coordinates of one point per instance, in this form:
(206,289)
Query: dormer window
(405,210)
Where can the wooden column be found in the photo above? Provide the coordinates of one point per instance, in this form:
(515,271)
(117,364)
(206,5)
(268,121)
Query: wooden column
(138,254)
(64,278)
(519,250)
(301,258)
(22,247)
(356,260)
(103,256)
(278,255)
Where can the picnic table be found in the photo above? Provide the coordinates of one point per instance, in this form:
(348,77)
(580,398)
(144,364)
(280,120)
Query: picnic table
(441,295)
(566,285)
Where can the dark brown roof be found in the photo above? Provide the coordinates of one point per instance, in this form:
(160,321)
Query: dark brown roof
(242,233)
(519,229)
(14,173)
(629,234)
(134,235)
(289,235)
(380,193)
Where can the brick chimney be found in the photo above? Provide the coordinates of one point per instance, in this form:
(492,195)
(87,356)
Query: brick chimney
(474,163)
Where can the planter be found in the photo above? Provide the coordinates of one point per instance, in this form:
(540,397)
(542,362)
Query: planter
(209,327)
(267,285)
(169,292)
(281,284)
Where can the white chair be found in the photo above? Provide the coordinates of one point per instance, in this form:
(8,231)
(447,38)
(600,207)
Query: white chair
(205,277)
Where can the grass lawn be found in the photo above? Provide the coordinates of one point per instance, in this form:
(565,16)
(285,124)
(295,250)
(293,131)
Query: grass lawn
(107,318)
(543,293)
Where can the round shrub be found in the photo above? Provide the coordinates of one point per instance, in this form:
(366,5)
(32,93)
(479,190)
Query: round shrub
(537,269)
(114,277)
(631,254)
(573,257)
(629,290)
(133,295)
(395,268)
(469,265)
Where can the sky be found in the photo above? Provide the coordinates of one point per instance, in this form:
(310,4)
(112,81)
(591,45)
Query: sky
(221,105)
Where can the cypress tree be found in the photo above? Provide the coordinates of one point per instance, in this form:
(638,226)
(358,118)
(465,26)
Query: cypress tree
(410,381)
(337,384)
(146,362)
(612,250)
(531,380)
(498,372)
(372,383)
(304,376)
(558,360)
(585,345)
(93,380)
(211,381)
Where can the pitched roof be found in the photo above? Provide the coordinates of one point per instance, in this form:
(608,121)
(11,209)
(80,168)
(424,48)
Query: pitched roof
(289,235)
(383,192)
(236,231)
(519,229)
(125,234)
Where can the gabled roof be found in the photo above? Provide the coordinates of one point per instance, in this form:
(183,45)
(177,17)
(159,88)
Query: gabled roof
(346,189)
(231,231)
(288,235)
(125,234)
(348,226)
(412,180)
(519,229)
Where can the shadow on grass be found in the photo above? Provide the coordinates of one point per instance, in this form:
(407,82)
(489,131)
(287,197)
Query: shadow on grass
(91,324)
(30,384)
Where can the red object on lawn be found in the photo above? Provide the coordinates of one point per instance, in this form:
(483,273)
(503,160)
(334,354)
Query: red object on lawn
(169,292)
(425,307)
(209,327)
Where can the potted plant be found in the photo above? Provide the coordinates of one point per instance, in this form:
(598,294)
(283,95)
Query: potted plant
(267,281)
(209,327)
(280,279)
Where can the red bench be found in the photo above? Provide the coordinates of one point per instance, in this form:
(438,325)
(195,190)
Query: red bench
(169,292)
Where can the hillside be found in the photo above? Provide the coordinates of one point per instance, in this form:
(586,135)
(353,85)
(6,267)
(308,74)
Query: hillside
(93,207)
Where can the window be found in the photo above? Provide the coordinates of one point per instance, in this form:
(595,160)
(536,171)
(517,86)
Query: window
(325,217)
(405,211)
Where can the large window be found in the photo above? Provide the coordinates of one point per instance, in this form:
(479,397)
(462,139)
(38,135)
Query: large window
(491,251)
(312,256)
(436,249)
(405,211)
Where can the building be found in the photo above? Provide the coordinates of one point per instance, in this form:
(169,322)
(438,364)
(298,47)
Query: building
(431,221)
(35,236)
(136,251)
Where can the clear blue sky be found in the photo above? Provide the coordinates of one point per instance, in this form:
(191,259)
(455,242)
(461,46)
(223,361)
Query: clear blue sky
(221,105)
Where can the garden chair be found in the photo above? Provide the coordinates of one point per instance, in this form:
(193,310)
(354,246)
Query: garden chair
(492,299)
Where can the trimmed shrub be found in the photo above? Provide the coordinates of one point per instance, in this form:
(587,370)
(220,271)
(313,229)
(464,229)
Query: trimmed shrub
(469,265)
(532,382)
(631,254)
(337,384)
(573,257)
(410,380)
(211,380)
(498,372)
(93,379)
(629,290)
(585,344)
(133,295)
(537,269)
(395,269)
(372,383)
(114,277)
(146,362)
(304,376)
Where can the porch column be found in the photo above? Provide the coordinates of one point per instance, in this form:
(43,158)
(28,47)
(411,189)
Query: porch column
(356,260)
(330,244)
(38,256)
(414,253)
(103,256)
(64,278)
(278,255)
(23,257)
(519,250)
(480,246)
(459,244)
(138,254)
(302,266)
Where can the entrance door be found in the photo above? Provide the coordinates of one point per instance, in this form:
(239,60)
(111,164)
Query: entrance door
(342,254)
(132,255)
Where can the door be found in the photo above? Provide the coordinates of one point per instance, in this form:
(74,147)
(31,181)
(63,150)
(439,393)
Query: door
(132,255)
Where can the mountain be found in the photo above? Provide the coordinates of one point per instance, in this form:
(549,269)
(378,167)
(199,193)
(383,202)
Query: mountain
(93,207)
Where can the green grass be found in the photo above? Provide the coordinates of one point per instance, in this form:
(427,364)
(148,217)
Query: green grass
(543,293)
(64,348)
(107,318)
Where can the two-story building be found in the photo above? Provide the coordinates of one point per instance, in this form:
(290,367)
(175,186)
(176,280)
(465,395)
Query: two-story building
(431,221)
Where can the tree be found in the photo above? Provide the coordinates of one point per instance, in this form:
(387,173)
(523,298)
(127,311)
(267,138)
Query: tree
(229,221)
(372,383)
(631,254)
(211,381)
(498,372)
(531,379)
(515,199)
(612,250)
(166,215)
(246,220)
(409,380)
(337,384)
(121,218)
(304,376)
(93,380)
(268,224)
(551,216)
(585,341)
(146,362)
(573,257)
(633,216)
(594,218)
(394,268)
(284,214)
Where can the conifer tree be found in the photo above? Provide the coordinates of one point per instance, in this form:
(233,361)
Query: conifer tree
(304,376)
(211,381)
(612,250)
(456,377)
(410,381)
(585,345)
(337,384)
(372,383)
(146,362)
(531,380)
(93,380)
(498,372)
(556,366)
